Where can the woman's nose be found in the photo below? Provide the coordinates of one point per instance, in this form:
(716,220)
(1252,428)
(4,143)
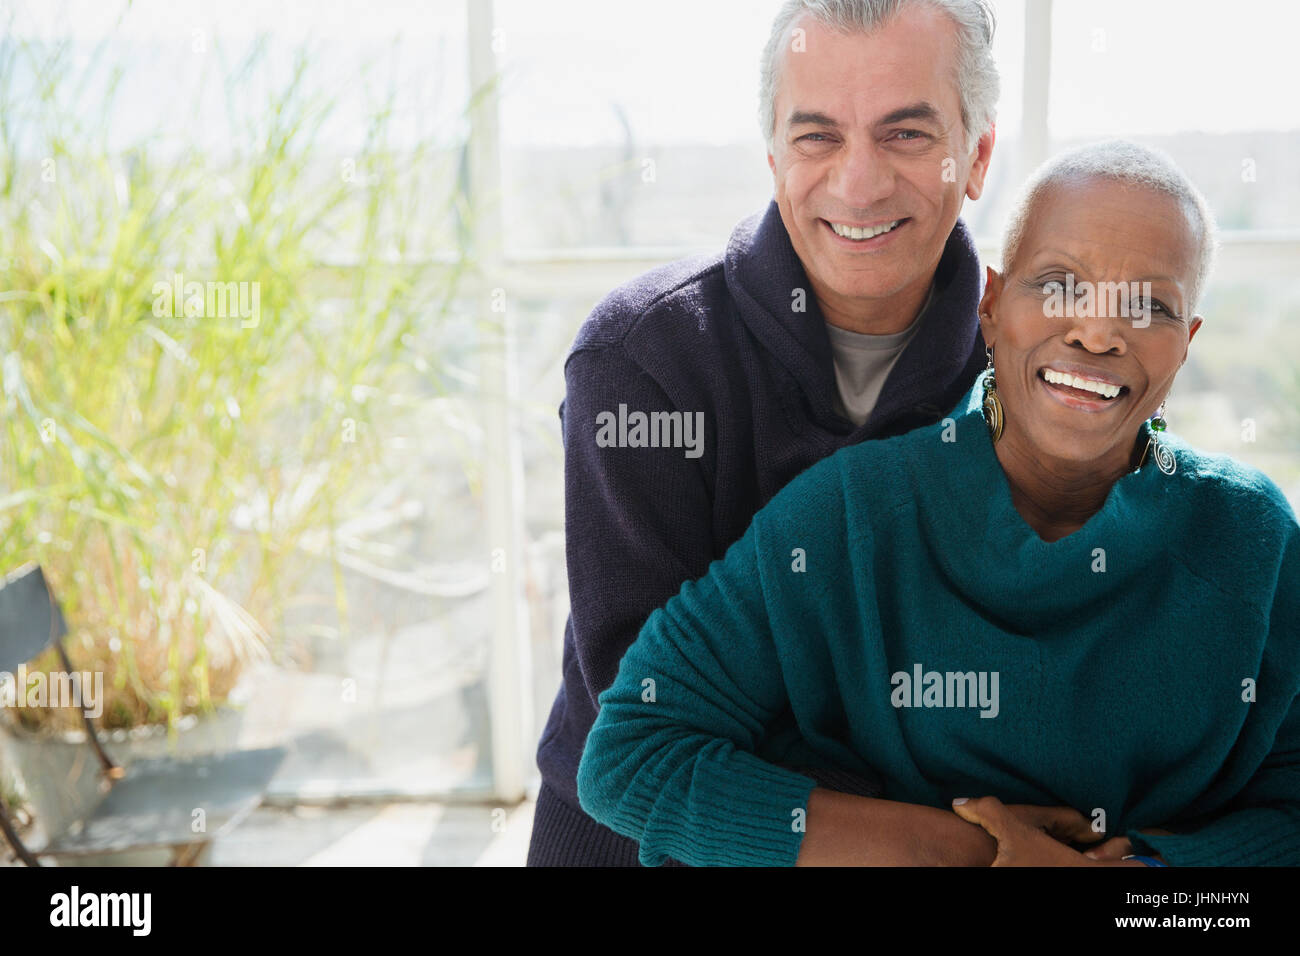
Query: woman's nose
(1098,334)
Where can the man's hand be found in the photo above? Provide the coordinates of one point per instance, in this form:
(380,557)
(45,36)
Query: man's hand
(1035,836)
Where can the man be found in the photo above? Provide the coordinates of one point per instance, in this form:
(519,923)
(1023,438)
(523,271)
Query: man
(846,311)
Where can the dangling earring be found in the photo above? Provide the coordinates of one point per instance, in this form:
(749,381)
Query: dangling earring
(993,415)
(1164,456)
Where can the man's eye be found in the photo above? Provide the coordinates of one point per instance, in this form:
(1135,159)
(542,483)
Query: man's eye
(909,134)
(809,136)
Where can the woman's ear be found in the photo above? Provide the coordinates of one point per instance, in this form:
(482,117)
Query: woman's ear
(989,304)
(1191,334)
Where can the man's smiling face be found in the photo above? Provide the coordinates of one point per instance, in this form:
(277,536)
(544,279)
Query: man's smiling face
(869,134)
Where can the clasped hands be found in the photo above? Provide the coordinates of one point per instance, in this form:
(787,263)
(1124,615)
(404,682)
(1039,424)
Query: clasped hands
(1029,835)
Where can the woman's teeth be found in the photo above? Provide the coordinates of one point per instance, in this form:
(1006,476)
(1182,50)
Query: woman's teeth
(851,232)
(1104,389)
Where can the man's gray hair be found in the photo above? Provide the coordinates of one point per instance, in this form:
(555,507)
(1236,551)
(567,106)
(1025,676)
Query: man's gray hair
(975,73)
(1125,162)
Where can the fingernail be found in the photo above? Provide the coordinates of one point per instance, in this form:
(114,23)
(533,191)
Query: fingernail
(1091,855)
(960,800)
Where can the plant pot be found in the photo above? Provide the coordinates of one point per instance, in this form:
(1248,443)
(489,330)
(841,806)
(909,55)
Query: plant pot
(62,776)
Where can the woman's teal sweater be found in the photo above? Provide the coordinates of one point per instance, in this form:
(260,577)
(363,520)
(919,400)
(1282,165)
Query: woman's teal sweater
(891,610)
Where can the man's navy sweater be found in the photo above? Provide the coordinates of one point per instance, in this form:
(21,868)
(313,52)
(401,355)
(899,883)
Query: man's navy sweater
(739,339)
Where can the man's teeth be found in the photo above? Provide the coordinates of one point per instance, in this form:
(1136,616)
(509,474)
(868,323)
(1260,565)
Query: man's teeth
(1062,378)
(850,232)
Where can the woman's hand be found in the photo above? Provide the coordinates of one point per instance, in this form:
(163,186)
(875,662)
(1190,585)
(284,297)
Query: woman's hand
(1116,848)
(847,830)
(1037,836)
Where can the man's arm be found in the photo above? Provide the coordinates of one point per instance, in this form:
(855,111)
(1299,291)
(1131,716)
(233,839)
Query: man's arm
(638,521)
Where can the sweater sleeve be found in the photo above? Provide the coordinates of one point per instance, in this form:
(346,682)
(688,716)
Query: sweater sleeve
(638,521)
(670,761)
(1261,826)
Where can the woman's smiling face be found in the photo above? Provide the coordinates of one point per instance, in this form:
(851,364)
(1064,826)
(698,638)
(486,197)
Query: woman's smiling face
(1091,235)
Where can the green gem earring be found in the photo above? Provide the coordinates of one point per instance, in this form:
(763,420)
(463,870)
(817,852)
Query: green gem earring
(1164,456)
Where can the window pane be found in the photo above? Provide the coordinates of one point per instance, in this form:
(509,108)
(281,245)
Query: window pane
(1239,392)
(1214,87)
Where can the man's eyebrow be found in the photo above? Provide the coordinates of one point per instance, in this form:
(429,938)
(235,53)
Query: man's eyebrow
(916,111)
(812,117)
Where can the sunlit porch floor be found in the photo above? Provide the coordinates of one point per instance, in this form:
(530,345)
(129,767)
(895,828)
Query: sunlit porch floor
(380,834)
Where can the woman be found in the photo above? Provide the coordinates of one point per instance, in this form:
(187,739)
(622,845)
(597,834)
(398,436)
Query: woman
(1044,603)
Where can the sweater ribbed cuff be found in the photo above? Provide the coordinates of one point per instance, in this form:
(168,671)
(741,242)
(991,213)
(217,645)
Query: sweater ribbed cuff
(742,812)
(1258,836)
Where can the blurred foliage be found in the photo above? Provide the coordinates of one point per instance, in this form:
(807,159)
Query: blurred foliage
(165,469)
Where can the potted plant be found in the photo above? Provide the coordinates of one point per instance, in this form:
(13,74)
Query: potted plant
(187,396)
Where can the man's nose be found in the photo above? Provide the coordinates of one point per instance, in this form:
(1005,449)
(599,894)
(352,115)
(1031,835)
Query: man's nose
(862,176)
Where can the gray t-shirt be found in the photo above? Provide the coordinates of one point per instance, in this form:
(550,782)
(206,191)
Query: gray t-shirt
(863,362)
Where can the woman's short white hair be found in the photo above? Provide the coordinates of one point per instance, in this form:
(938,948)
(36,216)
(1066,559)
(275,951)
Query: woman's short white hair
(1125,162)
(975,72)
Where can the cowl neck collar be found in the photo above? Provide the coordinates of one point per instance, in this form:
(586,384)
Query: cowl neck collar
(1000,564)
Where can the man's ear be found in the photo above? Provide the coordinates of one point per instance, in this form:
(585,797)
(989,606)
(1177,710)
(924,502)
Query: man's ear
(979,167)
(1197,321)
(989,304)
(771,163)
